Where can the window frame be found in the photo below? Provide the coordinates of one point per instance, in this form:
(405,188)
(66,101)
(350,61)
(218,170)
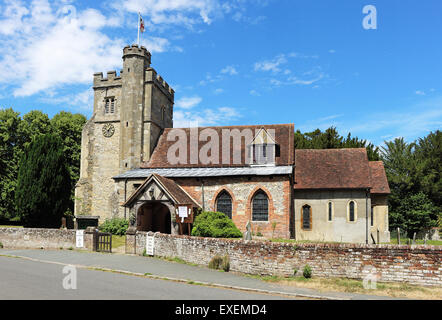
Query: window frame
(355,211)
(222,193)
(257,193)
(310,217)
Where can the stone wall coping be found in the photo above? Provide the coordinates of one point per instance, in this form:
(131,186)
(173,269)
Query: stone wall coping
(300,246)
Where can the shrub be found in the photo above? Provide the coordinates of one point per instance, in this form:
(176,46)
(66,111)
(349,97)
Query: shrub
(307,272)
(216,262)
(226,263)
(1,245)
(116,226)
(215,225)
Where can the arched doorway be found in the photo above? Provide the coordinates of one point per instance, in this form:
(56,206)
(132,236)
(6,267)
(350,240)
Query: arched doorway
(154,216)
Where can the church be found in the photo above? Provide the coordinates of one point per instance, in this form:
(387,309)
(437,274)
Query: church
(135,165)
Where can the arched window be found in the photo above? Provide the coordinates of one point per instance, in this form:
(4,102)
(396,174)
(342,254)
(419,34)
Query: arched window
(260,207)
(306,217)
(330,211)
(351,211)
(224,204)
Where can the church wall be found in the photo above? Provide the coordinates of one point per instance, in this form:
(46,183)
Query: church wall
(380,206)
(242,190)
(340,229)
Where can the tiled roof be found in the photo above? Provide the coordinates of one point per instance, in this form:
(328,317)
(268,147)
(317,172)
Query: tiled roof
(178,195)
(378,178)
(284,137)
(332,169)
(206,172)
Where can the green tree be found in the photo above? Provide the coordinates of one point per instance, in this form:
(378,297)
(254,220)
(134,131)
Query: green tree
(68,127)
(415,213)
(331,139)
(44,183)
(9,155)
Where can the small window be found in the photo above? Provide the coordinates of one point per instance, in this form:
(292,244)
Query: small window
(351,207)
(163,114)
(109,105)
(224,204)
(306,217)
(263,153)
(260,207)
(330,211)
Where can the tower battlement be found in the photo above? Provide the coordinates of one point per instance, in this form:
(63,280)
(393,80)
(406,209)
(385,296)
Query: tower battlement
(112,79)
(153,76)
(134,50)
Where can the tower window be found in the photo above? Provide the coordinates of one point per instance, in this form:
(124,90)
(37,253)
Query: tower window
(109,105)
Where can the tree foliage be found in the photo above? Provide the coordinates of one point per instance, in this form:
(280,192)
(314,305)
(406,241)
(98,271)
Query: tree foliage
(16,133)
(413,171)
(331,139)
(43,185)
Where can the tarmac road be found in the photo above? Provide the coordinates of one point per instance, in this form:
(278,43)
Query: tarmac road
(25,279)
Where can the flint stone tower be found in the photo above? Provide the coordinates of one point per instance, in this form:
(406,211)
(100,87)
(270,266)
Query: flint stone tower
(130,113)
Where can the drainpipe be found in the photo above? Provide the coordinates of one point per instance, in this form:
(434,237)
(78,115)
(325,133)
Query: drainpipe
(366,215)
(202,191)
(125,192)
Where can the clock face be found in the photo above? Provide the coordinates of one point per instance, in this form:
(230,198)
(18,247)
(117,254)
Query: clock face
(108,130)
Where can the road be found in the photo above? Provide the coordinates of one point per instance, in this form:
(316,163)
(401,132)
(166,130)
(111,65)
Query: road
(25,279)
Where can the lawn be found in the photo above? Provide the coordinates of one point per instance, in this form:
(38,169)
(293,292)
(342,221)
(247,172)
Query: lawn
(118,241)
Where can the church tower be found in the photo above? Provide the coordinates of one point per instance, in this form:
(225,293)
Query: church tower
(130,112)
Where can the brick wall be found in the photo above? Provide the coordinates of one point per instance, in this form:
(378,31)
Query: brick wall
(37,238)
(396,263)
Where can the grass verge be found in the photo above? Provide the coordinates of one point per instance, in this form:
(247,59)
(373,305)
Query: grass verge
(396,290)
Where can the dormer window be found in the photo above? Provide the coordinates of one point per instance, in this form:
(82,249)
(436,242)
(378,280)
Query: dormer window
(109,105)
(263,148)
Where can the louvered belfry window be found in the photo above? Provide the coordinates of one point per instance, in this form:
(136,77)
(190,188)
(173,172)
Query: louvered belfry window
(109,105)
(224,204)
(260,207)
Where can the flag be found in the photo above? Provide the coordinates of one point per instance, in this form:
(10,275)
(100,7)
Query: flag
(141,24)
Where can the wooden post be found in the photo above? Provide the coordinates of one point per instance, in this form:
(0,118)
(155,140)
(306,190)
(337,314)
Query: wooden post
(414,238)
(425,239)
(398,236)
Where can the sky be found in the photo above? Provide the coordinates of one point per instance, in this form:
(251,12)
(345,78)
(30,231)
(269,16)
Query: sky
(315,63)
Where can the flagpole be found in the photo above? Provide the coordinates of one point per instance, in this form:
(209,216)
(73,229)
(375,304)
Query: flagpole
(138,28)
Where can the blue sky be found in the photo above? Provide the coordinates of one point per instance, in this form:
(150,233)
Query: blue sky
(308,62)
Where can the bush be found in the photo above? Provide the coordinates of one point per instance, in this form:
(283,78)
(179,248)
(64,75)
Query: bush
(1,245)
(226,263)
(116,226)
(215,225)
(216,262)
(307,272)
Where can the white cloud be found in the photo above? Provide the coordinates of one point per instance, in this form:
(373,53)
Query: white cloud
(420,93)
(229,70)
(218,91)
(254,93)
(188,102)
(271,65)
(207,117)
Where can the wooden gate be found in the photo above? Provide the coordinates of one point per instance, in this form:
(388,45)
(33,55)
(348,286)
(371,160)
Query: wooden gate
(104,242)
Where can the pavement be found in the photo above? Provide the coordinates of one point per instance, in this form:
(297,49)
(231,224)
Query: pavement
(155,268)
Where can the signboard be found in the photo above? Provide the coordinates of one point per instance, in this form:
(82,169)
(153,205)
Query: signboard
(184,213)
(79,238)
(150,245)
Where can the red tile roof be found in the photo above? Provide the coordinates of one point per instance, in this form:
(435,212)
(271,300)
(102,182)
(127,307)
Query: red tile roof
(339,169)
(378,178)
(331,169)
(284,137)
(179,196)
